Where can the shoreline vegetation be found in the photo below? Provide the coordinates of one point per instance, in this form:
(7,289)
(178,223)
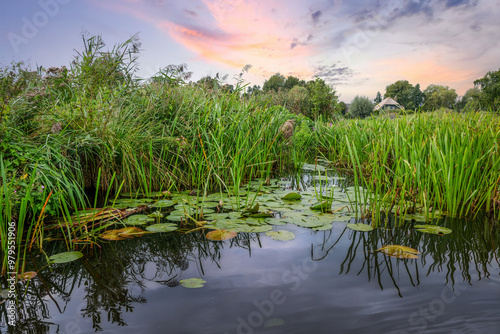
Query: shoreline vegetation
(96,129)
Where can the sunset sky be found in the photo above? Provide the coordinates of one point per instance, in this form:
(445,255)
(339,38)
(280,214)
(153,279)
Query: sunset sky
(359,47)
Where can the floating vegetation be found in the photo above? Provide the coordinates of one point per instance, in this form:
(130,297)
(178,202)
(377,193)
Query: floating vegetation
(123,233)
(281,235)
(219,235)
(400,252)
(192,283)
(360,227)
(432,229)
(165,227)
(65,257)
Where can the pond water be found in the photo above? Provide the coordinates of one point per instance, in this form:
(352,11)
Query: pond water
(330,281)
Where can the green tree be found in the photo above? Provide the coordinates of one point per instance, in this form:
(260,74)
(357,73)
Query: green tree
(402,92)
(437,96)
(322,99)
(291,82)
(417,97)
(490,89)
(471,100)
(275,83)
(378,98)
(361,107)
(342,108)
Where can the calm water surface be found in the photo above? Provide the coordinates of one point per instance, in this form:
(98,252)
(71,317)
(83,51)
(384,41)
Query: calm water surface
(320,282)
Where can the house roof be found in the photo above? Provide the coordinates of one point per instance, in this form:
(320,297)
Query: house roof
(387,102)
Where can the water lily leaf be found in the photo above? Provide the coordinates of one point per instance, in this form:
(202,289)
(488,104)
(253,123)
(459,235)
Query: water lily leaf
(281,235)
(65,257)
(261,215)
(26,275)
(323,206)
(156,214)
(123,233)
(165,227)
(138,220)
(164,203)
(192,282)
(360,227)
(220,235)
(216,216)
(292,197)
(433,229)
(323,227)
(400,252)
(305,221)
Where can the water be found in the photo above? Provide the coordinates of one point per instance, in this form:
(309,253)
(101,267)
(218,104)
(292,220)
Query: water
(320,282)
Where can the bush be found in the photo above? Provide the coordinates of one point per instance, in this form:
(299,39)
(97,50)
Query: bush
(361,107)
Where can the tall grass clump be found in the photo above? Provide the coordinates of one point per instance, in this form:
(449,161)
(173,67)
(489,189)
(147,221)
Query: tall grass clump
(426,162)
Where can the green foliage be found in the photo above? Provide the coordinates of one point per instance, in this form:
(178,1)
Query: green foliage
(437,96)
(275,83)
(95,69)
(322,99)
(490,90)
(470,101)
(361,107)
(402,92)
(378,98)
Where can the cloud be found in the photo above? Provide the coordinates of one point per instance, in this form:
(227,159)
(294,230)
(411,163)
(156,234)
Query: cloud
(333,74)
(315,16)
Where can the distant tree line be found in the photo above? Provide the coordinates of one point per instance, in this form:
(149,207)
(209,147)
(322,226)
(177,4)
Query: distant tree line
(313,99)
(485,95)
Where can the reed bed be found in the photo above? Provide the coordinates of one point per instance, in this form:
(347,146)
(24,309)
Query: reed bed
(444,161)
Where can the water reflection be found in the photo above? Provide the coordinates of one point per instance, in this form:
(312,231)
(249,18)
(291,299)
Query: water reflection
(101,291)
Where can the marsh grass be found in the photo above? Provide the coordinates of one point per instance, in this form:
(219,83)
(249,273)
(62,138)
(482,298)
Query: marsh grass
(425,162)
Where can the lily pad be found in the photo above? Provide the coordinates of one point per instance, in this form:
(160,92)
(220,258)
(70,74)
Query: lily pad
(323,206)
(156,214)
(26,275)
(192,283)
(220,235)
(138,220)
(400,252)
(433,229)
(292,197)
(281,235)
(165,227)
(360,227)
(65,257)
(325,227)
(123,233)
(164,203)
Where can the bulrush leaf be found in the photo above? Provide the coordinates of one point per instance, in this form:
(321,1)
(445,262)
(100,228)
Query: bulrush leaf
(220,235)
(400,252)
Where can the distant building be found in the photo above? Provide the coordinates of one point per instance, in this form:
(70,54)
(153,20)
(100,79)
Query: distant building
(388,104)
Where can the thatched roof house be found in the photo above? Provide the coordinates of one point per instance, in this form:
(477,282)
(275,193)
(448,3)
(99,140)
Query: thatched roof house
(388,104)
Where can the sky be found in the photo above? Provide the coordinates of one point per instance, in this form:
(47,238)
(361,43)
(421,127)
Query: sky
(358,47)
